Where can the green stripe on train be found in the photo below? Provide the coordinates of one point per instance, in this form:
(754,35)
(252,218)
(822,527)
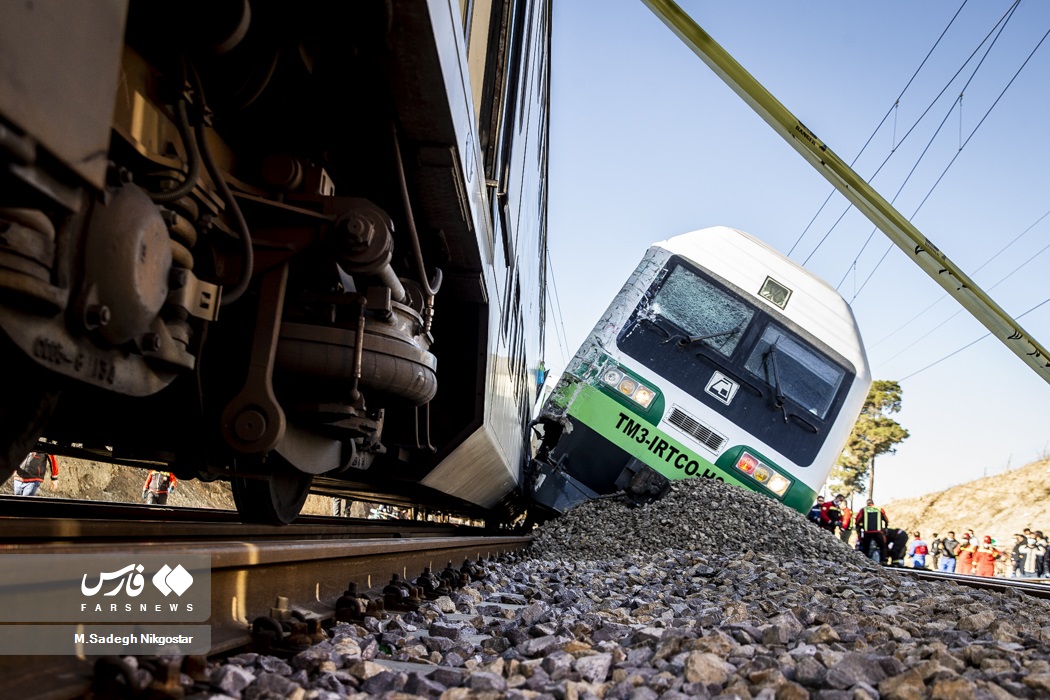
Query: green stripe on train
(644,441)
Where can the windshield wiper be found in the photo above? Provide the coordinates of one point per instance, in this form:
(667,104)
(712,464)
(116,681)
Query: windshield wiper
(685,342)
(779,398)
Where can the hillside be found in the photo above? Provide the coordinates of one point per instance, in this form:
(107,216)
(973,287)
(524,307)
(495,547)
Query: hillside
(997,505)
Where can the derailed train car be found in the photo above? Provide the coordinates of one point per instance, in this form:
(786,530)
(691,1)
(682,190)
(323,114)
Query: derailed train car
(292,245)
(719,358)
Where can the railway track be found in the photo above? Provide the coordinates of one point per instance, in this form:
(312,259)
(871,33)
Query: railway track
(306,567)
(1033,587)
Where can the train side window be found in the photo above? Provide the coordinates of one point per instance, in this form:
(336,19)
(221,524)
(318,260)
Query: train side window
(701,309)
(805,376)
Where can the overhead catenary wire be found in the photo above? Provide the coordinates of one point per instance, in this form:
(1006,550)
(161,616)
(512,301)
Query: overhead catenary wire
(958,152)
(978,269)
(971,343)
(897,144)
(959,311)
(891,110)
(563,347)
(997,30)
(910,130)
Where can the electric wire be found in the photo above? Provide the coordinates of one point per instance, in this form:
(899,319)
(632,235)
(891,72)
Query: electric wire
(945,295)
(914,126)
(561,316)
(897,144)
(972,342)
(996,29)
(886,116)
(1002,279)
(956,156)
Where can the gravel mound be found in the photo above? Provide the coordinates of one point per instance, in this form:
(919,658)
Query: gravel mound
(698,514)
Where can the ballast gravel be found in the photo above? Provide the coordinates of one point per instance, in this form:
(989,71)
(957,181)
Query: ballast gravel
(713,592)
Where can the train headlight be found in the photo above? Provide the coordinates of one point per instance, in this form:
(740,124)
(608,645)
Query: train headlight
(612,377)
(628,387)
(643,397)
(765,475)
(778,485)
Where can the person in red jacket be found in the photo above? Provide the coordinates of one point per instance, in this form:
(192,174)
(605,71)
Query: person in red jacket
(31,472)
(964,556)
(830,513)
(846,525)
(157,487)
(985,556)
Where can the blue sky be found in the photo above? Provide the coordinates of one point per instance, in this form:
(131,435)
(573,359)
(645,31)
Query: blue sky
(647,143)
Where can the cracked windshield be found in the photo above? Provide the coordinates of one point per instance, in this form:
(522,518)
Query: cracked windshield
(700,309)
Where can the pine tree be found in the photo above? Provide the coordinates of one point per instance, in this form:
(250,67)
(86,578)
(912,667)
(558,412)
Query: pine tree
(874,434)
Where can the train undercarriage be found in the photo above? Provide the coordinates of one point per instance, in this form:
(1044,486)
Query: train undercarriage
(228,233)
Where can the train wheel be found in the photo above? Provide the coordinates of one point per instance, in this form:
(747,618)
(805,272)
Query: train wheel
(276,499)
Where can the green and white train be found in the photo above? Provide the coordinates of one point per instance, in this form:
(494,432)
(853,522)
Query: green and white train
(719,358)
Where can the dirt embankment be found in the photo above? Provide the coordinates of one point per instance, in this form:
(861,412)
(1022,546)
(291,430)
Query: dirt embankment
(997,505)
(97,481)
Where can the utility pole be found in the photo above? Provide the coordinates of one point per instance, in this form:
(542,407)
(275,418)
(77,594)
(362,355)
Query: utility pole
(871,479)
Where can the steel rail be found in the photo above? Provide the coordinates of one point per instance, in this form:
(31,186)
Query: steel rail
(51,520)
(1030,587)
(247,577)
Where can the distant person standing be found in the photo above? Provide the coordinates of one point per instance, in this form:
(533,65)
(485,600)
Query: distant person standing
(947,554)
(935,549)
(1031,550)
(870,524)
(1041,564)
(1016,558)
(846,522)
(157,487)
(31,472)
(918,550)
(816,510)
(964,555)
(985,557)
(829,515)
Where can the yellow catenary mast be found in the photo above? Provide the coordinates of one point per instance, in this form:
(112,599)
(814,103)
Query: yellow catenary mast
(860,193)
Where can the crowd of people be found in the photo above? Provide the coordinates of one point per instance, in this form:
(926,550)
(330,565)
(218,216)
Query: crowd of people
(869,529)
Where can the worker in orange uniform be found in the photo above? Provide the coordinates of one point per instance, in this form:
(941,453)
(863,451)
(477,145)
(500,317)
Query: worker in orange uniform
(157,487)
(964,555)
(985,556)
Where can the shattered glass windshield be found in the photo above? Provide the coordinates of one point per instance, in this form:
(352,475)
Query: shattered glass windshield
(805,376)
(701,308)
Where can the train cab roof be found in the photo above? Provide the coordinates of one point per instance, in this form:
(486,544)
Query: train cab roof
(746,262)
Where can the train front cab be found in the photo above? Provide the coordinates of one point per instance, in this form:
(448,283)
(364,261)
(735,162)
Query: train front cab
(765,406)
